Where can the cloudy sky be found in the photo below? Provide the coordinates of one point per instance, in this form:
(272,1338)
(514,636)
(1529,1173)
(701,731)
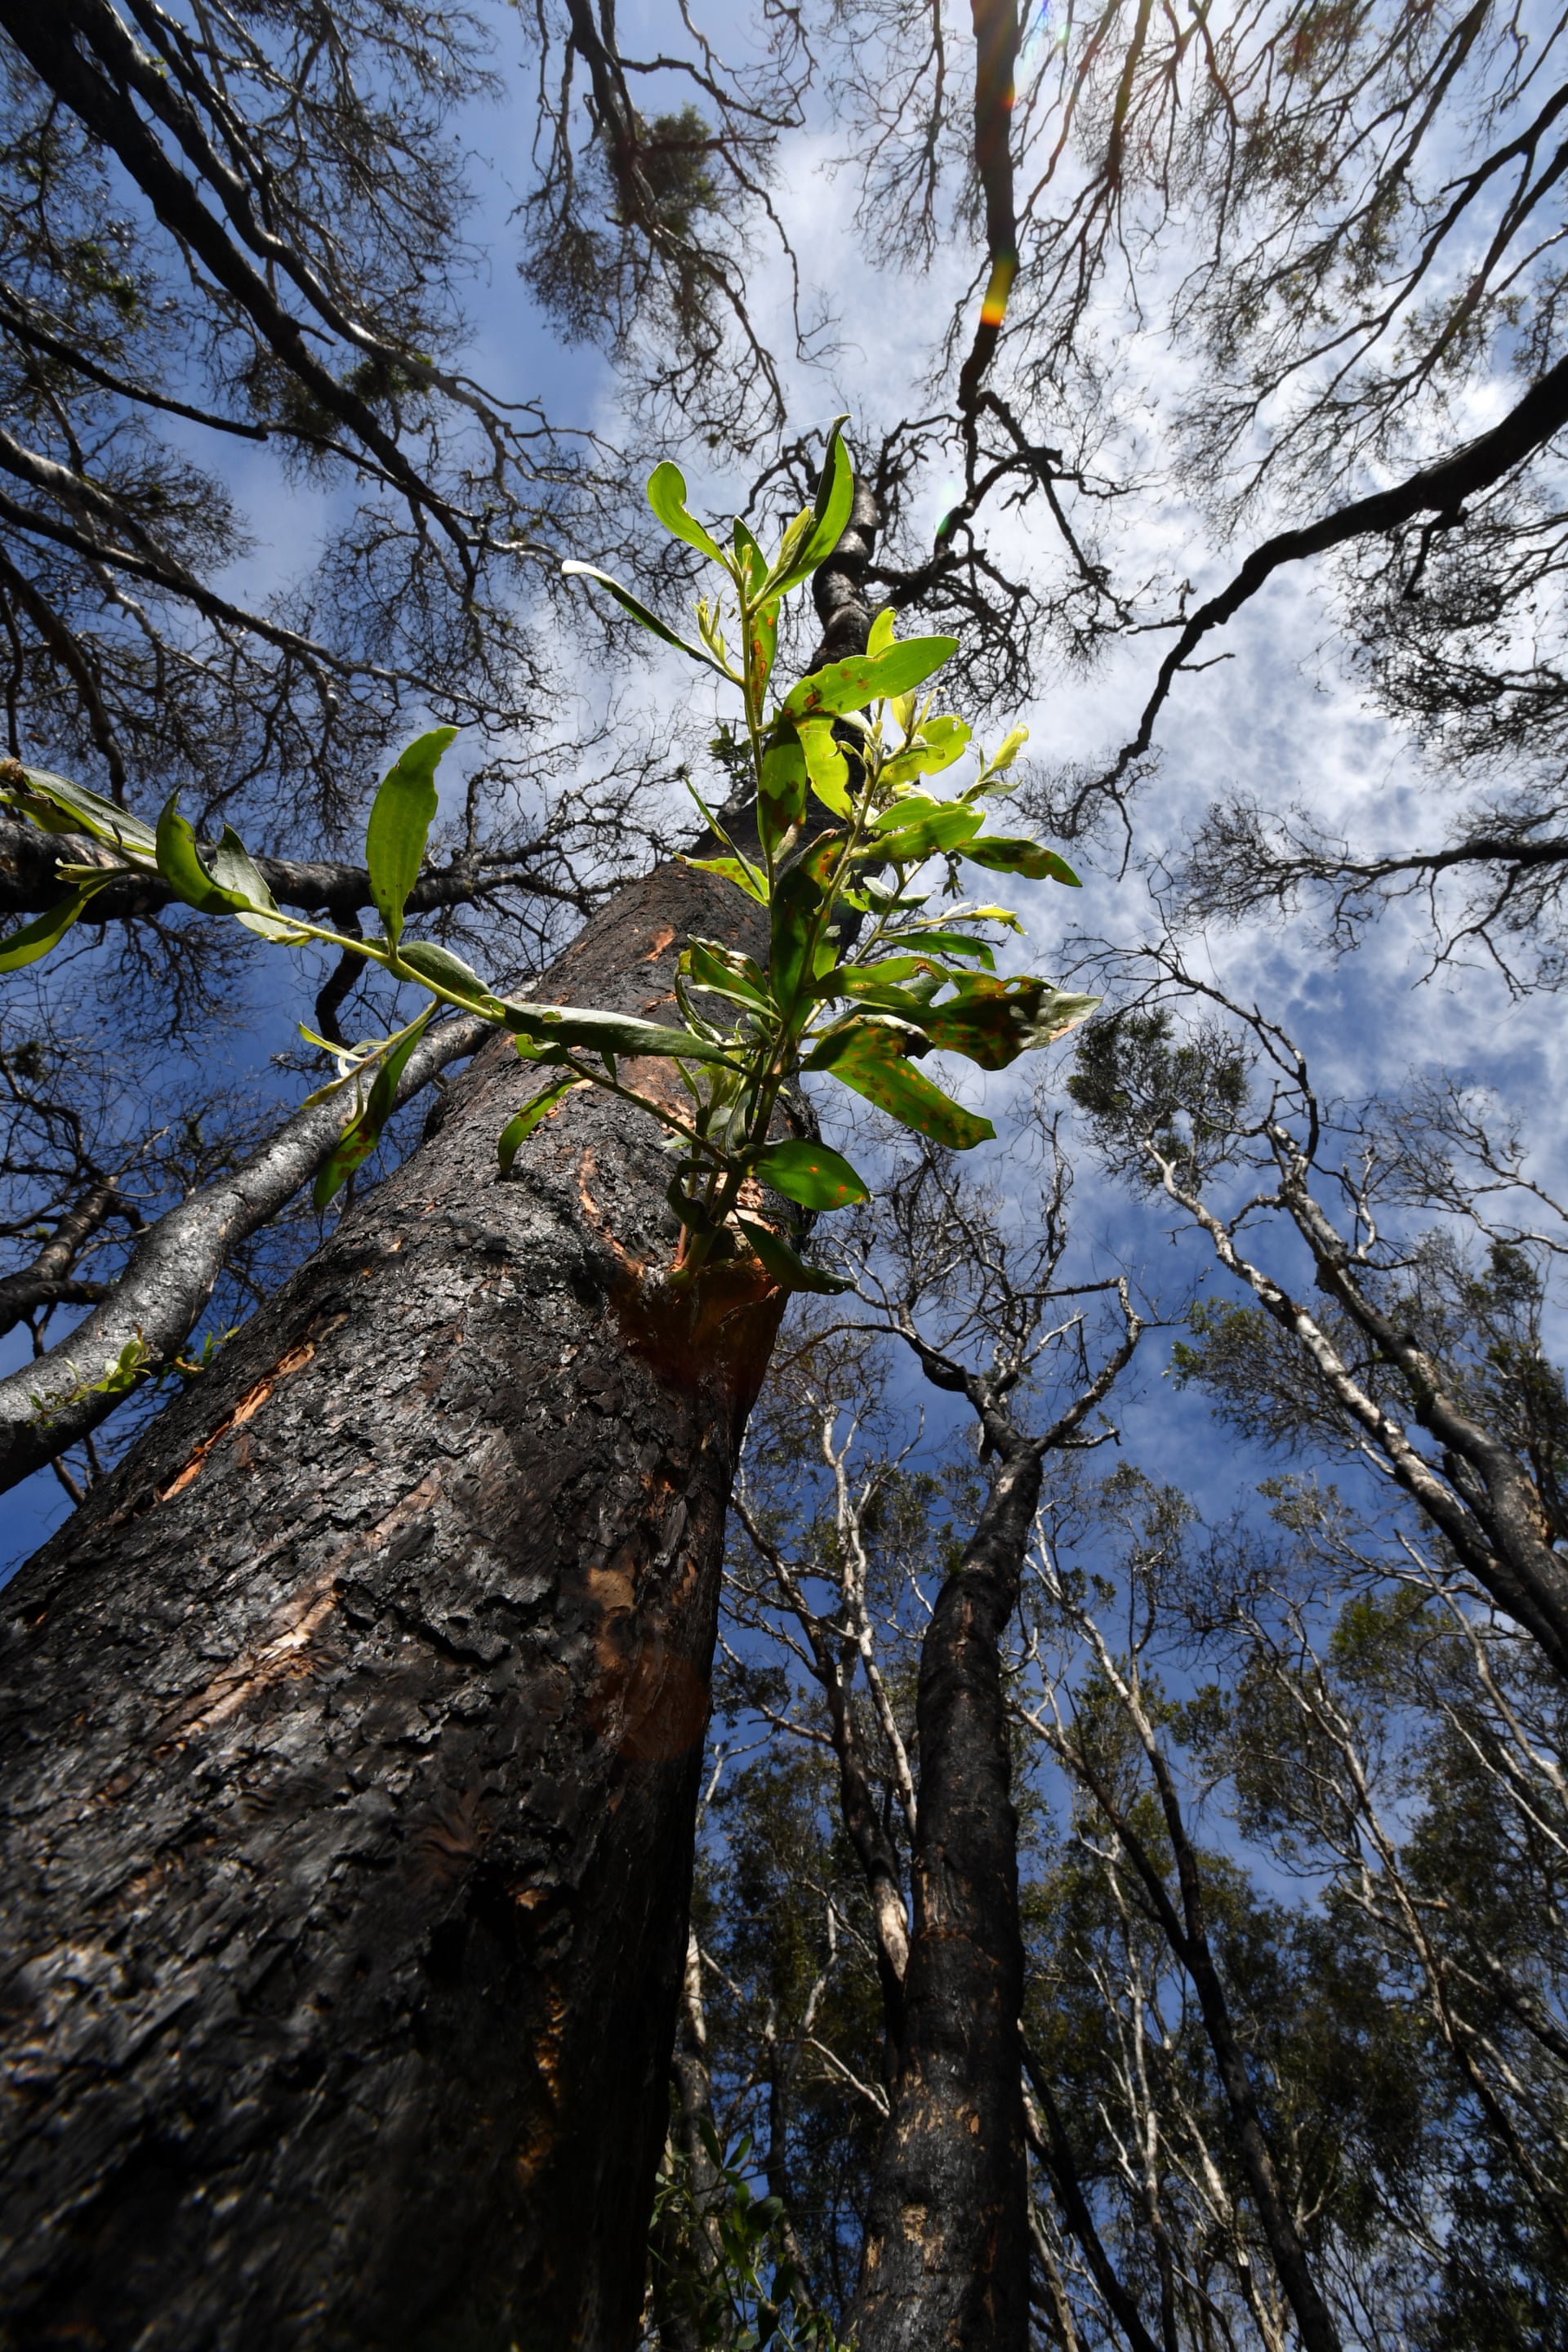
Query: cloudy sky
(1279,717)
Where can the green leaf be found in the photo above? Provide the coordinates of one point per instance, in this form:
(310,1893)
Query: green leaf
(879,636)
(1014,854)
(790,1271)
(939,825)
(825,764)
(568,1026)
(722,973)
(640,613)
(667,496)
(797,897)
(761,645)
(36,938)
(866,677)
(830,515)
(359,1138)
(994,1020)
(781,788)
(993,771)
(883,983)
(870,1056)
(731,869)
(233,868)
(80,811)
(400,819)
(811,1174)
(180,864)
(516,1131)
(941,741)
(958,943)
(429,961)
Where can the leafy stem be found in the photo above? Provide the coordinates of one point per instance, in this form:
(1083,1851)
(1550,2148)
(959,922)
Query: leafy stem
(839,770)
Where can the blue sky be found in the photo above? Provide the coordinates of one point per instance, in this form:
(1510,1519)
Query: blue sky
(1277,717)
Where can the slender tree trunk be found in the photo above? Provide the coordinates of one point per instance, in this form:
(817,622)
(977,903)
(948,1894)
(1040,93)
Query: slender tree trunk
(947,2239)
(349,1753)
(51,1402)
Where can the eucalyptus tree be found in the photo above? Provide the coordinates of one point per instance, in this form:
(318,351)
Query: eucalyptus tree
(467,1471)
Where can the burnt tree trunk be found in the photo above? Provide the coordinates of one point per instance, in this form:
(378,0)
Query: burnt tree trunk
(946,2264)
(348,1758)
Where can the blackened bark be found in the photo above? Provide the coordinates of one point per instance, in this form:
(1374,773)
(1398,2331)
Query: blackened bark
(349,1748)
(947,2239)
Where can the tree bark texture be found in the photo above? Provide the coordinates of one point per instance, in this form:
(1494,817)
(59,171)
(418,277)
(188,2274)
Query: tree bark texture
(348,1756)
(947,2241)
(50,1403)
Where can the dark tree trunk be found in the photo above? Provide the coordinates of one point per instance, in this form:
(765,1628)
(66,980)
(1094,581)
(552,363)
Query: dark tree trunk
(947,2239)
(348,1754)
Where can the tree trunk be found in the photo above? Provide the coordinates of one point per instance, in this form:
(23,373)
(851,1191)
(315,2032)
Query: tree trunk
(947,2239)
(349,1756)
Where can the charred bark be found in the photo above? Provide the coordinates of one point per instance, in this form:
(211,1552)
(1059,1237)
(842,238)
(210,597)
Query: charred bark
(947,2237)
(349,1749)
(350,1737)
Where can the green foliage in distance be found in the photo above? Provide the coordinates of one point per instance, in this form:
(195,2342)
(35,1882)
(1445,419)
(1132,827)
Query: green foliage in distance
(718,2264)
(865,974)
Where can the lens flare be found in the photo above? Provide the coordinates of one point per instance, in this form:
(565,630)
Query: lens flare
(993,308)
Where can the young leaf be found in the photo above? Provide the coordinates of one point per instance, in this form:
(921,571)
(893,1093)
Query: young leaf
(517,1131)
(942,741)
(1014,854)
(830,515)
(994,1020)
(869,1057)
(880,635)
(667,496)
(649,621)
(361,1136)
(811,1174)
(993,771)
(569,1026)
(400,818)
(825,764)
(796,899)
(790,1271)
(939,825)
(433,962)
(232,867)
(36,938)
(781,787)
(850,684)
(732,869)
(180,864)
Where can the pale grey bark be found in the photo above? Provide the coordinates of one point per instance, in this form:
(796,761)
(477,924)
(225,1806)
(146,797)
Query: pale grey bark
(50,1403)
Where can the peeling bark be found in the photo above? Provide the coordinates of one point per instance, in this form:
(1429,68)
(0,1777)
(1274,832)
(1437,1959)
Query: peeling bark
(349,1748)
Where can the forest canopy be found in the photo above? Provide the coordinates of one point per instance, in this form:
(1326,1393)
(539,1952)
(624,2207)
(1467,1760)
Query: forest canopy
(1119,1705)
